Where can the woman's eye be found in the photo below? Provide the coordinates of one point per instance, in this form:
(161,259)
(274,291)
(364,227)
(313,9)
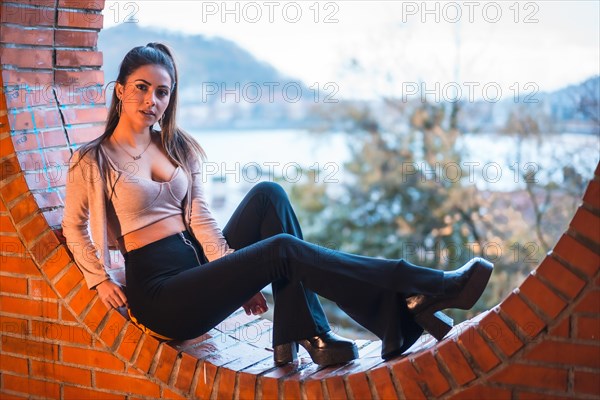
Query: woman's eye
(141,86)
(163,93)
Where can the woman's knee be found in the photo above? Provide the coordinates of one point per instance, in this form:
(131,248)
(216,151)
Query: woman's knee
(282,239)
(272,190)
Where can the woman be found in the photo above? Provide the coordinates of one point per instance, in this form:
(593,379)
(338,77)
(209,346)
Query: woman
(139,189)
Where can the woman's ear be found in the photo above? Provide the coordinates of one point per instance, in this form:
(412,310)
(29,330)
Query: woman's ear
(119,90)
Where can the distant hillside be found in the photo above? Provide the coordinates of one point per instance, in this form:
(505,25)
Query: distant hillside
(218,62)
(199,58)
(213,61)
(574,108)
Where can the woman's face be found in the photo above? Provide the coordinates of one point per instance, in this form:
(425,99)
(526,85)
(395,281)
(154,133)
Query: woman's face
(145,95)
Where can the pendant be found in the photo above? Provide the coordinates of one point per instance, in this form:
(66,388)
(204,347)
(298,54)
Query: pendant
(137,157)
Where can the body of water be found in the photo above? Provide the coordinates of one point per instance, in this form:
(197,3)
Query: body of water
(240,159)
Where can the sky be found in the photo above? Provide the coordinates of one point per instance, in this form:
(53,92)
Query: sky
(365,49)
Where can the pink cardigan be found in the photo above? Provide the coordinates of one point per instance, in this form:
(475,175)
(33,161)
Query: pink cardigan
(90,235)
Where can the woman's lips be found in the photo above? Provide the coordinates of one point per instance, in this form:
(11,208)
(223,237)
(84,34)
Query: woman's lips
(147,114)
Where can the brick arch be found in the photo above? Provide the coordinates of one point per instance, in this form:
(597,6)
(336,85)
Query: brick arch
(59,341)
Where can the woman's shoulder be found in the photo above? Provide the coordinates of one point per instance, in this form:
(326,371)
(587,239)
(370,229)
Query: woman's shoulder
(86,154)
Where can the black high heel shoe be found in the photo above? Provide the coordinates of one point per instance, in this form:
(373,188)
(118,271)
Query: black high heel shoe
(325,349)
(462,288)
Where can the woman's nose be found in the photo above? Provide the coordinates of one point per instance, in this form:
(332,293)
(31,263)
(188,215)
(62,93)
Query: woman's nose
(150,98)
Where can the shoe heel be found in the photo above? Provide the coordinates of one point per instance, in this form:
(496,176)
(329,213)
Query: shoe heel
(325,357)
(437,324)
(285,353)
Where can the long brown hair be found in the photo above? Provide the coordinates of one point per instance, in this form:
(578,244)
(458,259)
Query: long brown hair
(180,146)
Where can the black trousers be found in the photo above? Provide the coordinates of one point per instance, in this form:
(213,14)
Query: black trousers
(171,294)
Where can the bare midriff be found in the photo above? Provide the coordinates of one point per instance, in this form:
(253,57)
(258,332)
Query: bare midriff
(153,232)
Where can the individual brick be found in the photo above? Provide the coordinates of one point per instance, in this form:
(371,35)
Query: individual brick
(71,58)
(95,315)
(206,379)
(187,367)
(15,264)
(33,228)
(30,58)
(34,308)
(246,386)
(590,302)
(87,20)
(24,208)
(112,328)
(497,332)
(336,388)
(562,329)
(72,392)
(565,353)
(14,285)
(14,189)
(542,296)
(57,262)
(18,35)
(63,373)
(79,115)
(20,345)
(560,277)
(6,147)
(479,350)
(532,376)
(577,255)
(225,383)
(586,382)
(88,357)
(147,353)
(82,4)
(166,361)
(127,384)
(430,373)
(587,327)
(80,79)
(75,38)
(455,361)
(79,135)
(312,388)
(592,195)
(81,299)
(10,166)
(586,224)
(60,332)
(130,340)
(524,317)
(14,364)
(31,386)
(67,282)
(269,387)
(44,246)
(359,385)
(38,78)
(405,374)
(381,379)
(483,392)
(26,16)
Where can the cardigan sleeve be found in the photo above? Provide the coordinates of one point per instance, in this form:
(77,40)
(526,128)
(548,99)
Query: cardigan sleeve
(75,223)
(204,226)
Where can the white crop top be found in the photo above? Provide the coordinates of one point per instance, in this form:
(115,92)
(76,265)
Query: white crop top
(139,202)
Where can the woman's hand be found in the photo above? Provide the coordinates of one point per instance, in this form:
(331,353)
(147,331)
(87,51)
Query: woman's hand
(256,305)
(111,294)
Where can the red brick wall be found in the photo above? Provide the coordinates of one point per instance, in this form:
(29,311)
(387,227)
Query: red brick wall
(57,340)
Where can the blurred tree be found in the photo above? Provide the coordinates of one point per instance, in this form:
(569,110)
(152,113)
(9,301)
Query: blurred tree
(405,194)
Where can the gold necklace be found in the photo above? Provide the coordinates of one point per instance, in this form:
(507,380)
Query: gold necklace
(130,155)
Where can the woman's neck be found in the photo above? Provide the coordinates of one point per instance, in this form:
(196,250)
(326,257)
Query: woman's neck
(132,136)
